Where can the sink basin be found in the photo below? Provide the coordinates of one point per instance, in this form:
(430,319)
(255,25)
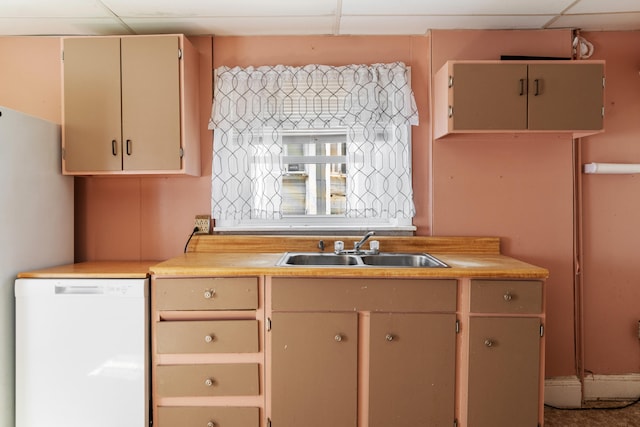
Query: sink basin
(314,259)
(402,260)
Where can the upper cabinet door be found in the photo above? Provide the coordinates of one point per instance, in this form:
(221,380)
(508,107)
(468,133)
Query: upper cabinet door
(566,96)
(489,96)
(151,103)
(92,123)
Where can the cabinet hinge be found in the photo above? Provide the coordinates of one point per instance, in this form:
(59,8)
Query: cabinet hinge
(62,55)
(268,324)
(603,81)
(457,326)
(450,81)
(181,152)
(603,111)
(62,153)
(268,422)
(455,423)
(450,111)
(541,330)
(179,53)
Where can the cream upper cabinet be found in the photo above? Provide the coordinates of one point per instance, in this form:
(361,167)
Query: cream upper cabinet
(512,96)
(130,105)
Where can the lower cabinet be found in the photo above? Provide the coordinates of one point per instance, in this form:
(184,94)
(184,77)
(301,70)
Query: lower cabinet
(503,339)
(208,416)
(380,364)
(504,374)
(208,357)
(314,369)
(347,352)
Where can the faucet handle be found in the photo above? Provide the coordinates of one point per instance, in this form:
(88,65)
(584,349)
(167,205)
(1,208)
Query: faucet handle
(338,246)
(374,245)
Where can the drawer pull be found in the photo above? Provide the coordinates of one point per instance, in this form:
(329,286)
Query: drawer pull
(212,424)
(508,297)
(338,338)
(209,294)
(209,382)
(489,343)
(389,337)
(209,338)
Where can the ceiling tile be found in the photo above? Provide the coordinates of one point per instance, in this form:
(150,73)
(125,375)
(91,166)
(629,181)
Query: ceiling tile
(44,8)
(453,7)
(421,24)
(599,22)
(234,26)
(61,26)
(601,6)
(215,8)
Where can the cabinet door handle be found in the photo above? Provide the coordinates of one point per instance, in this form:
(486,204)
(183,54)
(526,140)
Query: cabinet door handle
(114,147)
(536,85)
(521,87)
(129,147)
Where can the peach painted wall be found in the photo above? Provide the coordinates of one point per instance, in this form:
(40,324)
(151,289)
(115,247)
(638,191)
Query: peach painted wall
(31,75)
(343,50)
(611,213)
(517,188)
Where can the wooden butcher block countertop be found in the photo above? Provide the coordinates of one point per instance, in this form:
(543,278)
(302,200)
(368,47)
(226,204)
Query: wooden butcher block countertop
(219,255)
(94,270)
(210,255)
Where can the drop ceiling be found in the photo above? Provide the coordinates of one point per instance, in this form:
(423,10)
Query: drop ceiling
(308,17)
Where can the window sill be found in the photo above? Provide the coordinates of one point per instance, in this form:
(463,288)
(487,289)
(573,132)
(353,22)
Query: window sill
(316,229)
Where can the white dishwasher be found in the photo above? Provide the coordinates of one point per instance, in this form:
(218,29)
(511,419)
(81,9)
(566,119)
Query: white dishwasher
(82,351)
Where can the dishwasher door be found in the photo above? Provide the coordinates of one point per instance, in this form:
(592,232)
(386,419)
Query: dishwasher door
(82,350)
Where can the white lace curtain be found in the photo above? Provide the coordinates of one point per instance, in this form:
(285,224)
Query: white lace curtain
(373,103)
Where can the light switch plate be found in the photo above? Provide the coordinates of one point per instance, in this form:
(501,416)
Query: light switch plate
(203,223)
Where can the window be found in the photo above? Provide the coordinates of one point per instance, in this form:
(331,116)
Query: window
(312,147)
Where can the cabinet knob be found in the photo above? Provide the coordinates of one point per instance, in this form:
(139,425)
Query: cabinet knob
(338,338)
(489,343)
(209,338)
(212,424)
(209,382)
(389,337)
(508,297)
(209,294)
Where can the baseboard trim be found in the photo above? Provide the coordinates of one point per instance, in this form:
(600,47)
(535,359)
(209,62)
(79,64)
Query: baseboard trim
(612,387)
(563,392)
(566,392)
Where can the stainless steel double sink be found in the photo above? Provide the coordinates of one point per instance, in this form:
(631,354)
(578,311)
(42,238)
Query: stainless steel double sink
(388,259)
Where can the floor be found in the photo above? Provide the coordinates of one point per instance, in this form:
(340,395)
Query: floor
(600,414)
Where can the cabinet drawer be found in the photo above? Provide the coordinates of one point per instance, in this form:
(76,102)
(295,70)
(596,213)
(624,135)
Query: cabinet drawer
(207,380)
(506,296)
(198,416)
(219,336)
(417,295)
(207,293)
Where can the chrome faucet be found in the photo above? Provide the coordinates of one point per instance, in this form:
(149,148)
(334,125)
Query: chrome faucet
(358,245)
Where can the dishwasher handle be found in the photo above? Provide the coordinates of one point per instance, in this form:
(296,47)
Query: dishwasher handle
(79,290)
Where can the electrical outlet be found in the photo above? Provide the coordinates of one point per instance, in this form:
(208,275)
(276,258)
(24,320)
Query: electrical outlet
(203,224)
